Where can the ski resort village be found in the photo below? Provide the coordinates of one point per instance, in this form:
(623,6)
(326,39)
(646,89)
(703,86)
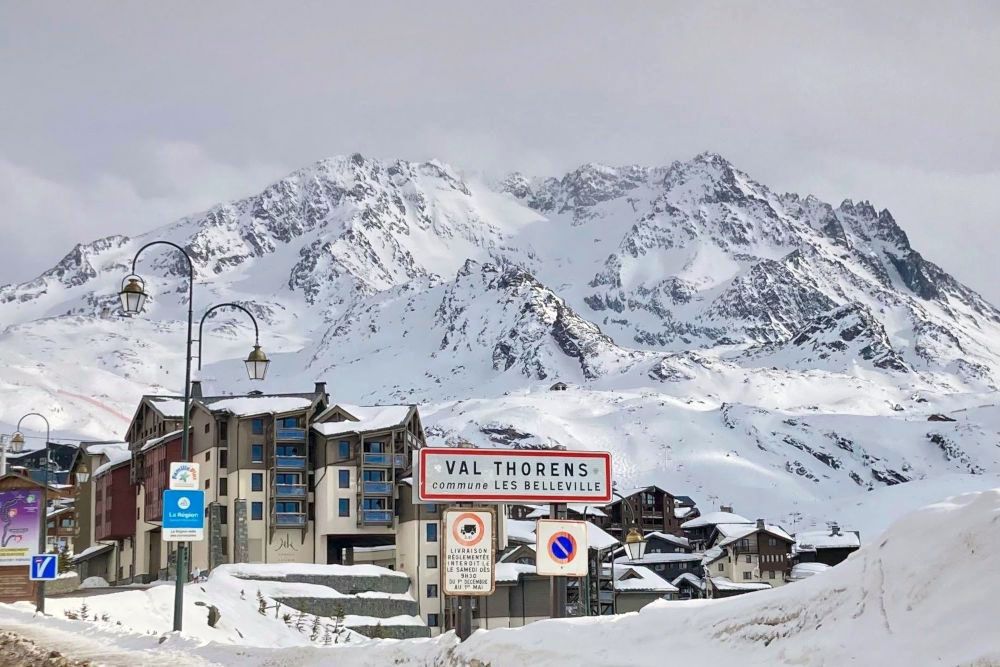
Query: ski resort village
(385,411)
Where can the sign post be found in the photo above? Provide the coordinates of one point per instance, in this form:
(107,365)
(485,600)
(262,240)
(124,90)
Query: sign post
(469,560)
(512,475)
(183,516)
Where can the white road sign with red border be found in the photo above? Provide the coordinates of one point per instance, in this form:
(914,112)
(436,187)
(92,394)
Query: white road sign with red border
(468,552)
(446,474)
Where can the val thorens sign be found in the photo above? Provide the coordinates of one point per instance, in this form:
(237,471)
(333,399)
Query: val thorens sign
(507,475)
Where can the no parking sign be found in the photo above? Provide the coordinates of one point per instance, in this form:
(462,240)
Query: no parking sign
(561,548)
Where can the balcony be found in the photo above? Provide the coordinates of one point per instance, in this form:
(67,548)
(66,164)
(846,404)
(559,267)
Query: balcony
(372,488)
(291,434)
(376,516)
(383,459)
(290,462)
(290,490)
(293,519)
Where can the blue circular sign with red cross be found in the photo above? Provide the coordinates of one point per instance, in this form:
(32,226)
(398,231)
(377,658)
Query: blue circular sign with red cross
(562,547)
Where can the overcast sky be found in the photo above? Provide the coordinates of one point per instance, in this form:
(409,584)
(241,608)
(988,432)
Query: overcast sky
(119,117)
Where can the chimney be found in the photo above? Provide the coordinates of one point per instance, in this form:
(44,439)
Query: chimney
(760,524)
(196,389)
(726,508)
(320,388)
(834,529)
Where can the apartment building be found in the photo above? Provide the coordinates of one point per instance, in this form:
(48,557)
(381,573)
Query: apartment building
(744,558)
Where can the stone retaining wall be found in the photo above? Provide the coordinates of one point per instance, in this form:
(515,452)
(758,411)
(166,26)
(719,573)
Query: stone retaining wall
(380,607)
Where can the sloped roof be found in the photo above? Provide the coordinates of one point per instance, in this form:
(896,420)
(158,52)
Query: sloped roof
(244,406)
(715,518)
(735,533)
(116,457)
(650,559)
(673,539)
(822,539)
(725,584)
(690,578)
(511,572)
(369,418)
(153,442)
(637,578)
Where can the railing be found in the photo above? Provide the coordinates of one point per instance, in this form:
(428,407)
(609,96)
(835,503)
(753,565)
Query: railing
(377,488)
(291,434)
(290,490)
(289,519)
(376,516)
(290,462)
(383,459)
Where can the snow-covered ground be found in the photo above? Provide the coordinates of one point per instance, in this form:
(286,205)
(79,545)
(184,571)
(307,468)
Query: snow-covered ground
(922,593)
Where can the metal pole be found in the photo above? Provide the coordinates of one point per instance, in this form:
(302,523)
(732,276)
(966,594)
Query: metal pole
(463,620)
(180,567)
(557,585)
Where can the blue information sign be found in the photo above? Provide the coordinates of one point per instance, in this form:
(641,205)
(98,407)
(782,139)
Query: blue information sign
(183,515)
(43,567)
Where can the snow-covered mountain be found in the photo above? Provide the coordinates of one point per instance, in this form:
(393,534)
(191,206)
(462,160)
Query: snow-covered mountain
(720,338)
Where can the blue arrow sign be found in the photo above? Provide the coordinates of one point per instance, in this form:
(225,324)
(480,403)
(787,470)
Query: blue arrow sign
(43,568)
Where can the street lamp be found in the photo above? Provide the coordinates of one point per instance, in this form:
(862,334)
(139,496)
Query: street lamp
(256,362)
(18,443)
(133,297)
(15,445)
(82,474)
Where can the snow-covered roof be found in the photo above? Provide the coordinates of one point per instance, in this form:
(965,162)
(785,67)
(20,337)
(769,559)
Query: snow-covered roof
(370,418)
(521,530)
(511,572)
(170,407)
(244,406)
(542,511)
(639,578)
(598,539)
(92,550)
(712,554)
(153,442)
(822,539)
(738,532)
(692,579)
(681,512)
(805,570)
(56,511)
(649,559)
(116,457)
(725,584)
(673,539)
(715,518)
(99,448)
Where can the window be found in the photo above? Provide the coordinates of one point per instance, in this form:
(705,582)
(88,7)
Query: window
(343,450)
(223,428)
(257,481)
(772,541)
(223,486)
(721,567)
(223,515)
(287,507)
(432,562)
(256,511)
(431,508)
(208,456)
(770,574)
(746,575)
(257,426)
(375,447)
(287,478)
(748,558)
(432,590)
(207,429)
(312,511)
(256,453)
(288,450)
(432,620)
(207,482)
(344,478)
(289,422)
(344,507)
(432,532)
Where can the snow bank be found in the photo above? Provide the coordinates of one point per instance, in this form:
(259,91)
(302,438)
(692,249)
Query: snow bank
(899,600)
(249,571)
(94,582)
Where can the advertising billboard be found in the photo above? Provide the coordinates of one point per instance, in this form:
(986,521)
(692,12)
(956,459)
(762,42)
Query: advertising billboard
(20,517)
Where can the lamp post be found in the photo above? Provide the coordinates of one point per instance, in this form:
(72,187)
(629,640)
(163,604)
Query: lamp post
(635,544)
(17,442)
(133,297)
(256,362)
(14,446)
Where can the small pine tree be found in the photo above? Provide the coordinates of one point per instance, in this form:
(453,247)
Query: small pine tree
(300,621)
(261,604)
(338,622)
(378,632)
(84,610)
(287,618)
(327,634)
(64,564)
(315,631)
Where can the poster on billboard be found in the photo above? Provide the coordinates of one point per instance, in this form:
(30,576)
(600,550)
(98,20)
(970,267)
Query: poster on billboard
(20,516)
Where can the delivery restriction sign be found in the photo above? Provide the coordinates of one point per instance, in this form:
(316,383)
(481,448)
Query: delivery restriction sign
(561,548)
(468,552)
